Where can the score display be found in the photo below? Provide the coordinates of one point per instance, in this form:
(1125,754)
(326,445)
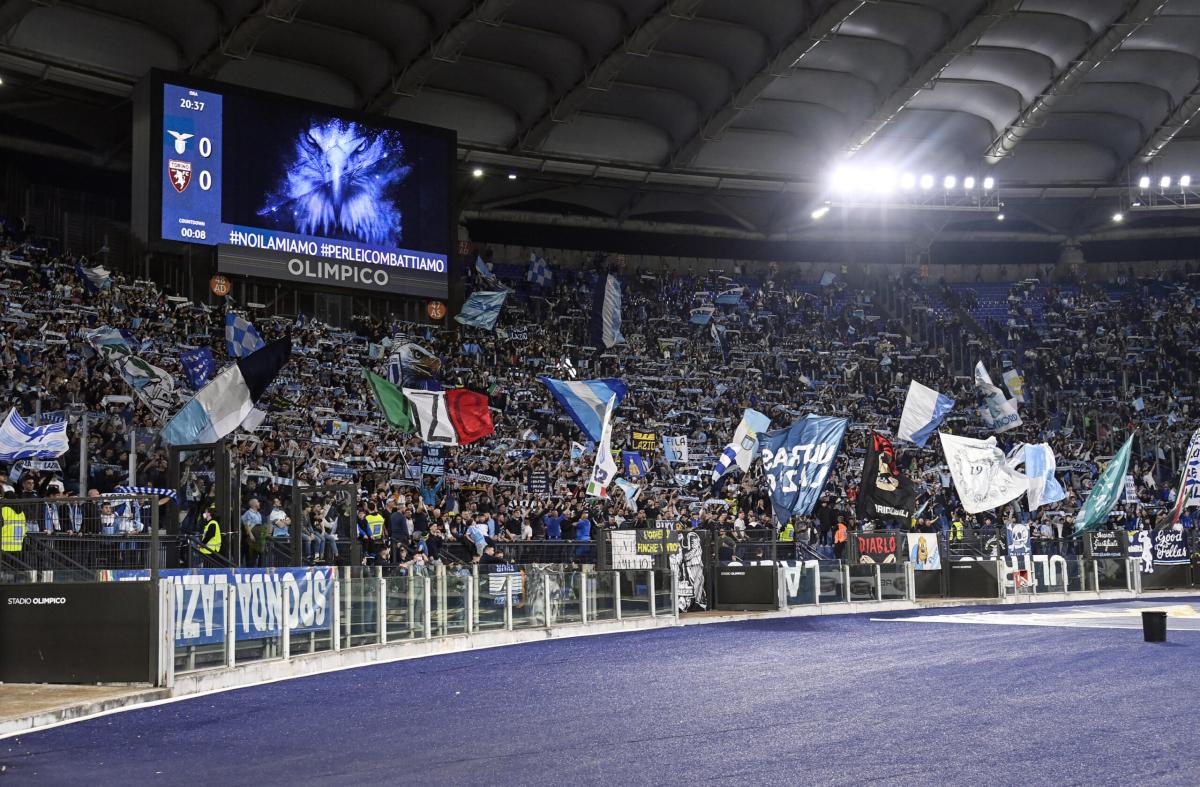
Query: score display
(299,191)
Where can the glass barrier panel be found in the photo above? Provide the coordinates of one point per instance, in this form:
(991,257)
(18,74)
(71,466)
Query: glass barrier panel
(405,599)
(862,582)
(664,594)
(567,588)
(360,584)
(893,581)
(635,593)
(199,621)
(310,608)
(832,587)
(490,597)
(449,603)
(799,582)
(602,589)
(529,597)
(257,601)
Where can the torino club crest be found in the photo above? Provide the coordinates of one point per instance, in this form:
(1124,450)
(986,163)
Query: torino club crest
(180,173)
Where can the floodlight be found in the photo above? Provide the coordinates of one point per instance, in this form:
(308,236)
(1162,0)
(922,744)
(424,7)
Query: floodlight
(820,213)
(968,183)
(989,183)
(1164,182)
(1185,181)
(1144,182)
(1118,217)
(927,182)
(999,217)
(477,172)
(908,181)
(949,182)
(512,176)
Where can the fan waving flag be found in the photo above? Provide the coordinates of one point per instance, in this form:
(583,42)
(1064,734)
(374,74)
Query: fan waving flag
(241,339)
(482,309)
(20,440)
(94,279)
(455,417)
(1106,492)
(198,366)
(223,404)
(606,313)
(924,410)
(885,493)
(742,449)
(392,402)
(539,274)
(1188,494)
(604,469)
(585,400)
(981,475)
(797,461)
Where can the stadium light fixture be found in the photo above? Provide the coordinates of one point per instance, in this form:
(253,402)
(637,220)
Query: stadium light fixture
(512,176)
(1118,217)
(969,183)
(1144,182)
(999,217)
(989,183)
(908,181)
(820,213)
(949,182)
(477,172)
(1185,181)
(1164,182)
(926,182)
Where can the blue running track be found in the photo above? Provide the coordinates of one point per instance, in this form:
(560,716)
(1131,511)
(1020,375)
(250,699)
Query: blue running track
(834,700)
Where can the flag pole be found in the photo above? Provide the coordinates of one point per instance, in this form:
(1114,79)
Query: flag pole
(83,457)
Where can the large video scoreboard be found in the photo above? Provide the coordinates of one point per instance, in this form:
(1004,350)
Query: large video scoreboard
(294,190)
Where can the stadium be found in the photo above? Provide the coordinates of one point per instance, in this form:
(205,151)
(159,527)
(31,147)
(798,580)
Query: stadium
(641,391)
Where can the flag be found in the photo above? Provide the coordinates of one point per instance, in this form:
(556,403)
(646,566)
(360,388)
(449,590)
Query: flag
(827,278)
(1014,381)
(633,464)
(154,387)
(630,490)
(924,410)
(797,460)
(885,492)
(529,435)
(391,400)
(410,363)
(223,404)
(484,271)
(198,366)
(606,313)
(1188,494)
(701,315)
(981,474)
(539,274)
(94,279)
(1106,492)
(1040,465)
(455,417)
(482,309)
(604,469)
(584,400)
(577,450)
(241,339)
(20,440)
(744,446)
(1139,404)
(675,448)
(998,413)
(717,331)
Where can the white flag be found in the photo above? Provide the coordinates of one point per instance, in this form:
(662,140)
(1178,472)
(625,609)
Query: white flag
(981,475)
(605,469)
(1015,383)
(676,448)
(1040,466)
(998,413)
(20,440)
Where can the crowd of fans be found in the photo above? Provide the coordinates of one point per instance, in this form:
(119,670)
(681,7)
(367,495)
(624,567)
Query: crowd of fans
(1098,362)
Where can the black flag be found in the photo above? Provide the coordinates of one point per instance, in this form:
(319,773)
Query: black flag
(884,493)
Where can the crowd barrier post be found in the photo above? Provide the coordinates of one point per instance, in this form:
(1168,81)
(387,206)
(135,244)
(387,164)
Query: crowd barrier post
(616,593)
(166,634)
(475,596)
(336,618)
(428,609)
(1095,577)
(546,605)
(846,582)
(285,611)
(1001,584)
(674,594)
(412,605)
(650,587)
(780,588)
(817,585)
(583,597)
(229,598)
(1135,574)
(508,608)
(442,608)
(469,604)
(910,581)
(878,583)
(381,607)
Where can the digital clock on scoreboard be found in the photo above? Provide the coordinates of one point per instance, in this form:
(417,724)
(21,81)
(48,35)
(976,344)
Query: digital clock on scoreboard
(295,190)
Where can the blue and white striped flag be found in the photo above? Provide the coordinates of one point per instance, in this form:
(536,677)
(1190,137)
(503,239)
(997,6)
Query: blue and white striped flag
(19,440)
(742,449)
(539,273)
(241,338)
(482,309)
(94,279)
(156,491)
(924,410)
(606,313)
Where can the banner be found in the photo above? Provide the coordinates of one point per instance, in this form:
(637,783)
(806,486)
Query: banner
(877,547)
(999,414)
(1017,537)
(981,475)
(797,460)
(539,482)
(1105,543)
(675,448)
(1129,490)
(923,552)
(1014,381)
(1170,547)
(643,441)
(885,493)
(1188,493)
(433,459)
(1141,547)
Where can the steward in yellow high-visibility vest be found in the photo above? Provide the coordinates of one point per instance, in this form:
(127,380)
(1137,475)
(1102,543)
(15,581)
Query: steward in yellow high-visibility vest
(788,533)
(956,530)
(375,525)
(12,533)
(210,540)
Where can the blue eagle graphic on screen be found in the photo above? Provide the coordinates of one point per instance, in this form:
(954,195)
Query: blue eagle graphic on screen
(337,184)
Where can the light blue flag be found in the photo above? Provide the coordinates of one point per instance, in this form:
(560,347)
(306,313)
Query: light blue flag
(701,315)
(241,338)
(482,309)
(924,411)
(539,274)
(585,400)
(1040,465)
(797,461)
(21,440)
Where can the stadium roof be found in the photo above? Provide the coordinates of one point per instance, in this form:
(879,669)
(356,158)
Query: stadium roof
(727,114)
